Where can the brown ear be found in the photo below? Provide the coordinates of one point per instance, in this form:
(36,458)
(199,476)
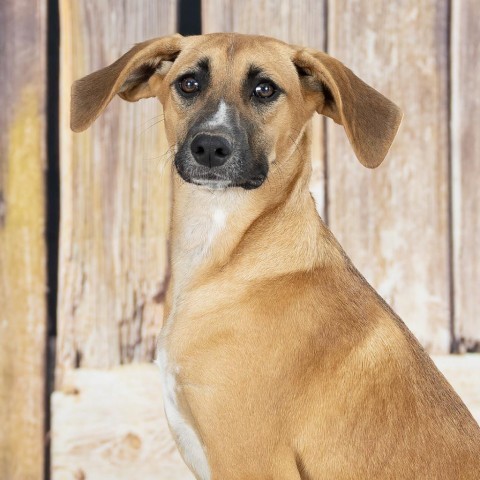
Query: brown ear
(128,77)
(371,121)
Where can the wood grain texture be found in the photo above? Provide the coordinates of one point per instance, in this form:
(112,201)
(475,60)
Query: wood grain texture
(23,315)
(297,22)
(465,103)
(115,183)
(393,222)
(109,425)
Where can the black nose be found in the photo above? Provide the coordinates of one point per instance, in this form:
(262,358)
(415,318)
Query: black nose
(211,150)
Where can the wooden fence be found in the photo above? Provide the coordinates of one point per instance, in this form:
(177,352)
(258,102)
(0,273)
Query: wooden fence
(412,226)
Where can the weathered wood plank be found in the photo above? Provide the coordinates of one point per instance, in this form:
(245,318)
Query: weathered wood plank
(466,172)
(393,222)
(110,425)
(115,199)
(297,22)
(22,246)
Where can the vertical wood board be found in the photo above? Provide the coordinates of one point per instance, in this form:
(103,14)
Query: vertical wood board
(115,184)
(296,22)
(393,221)
(23,315)
(465,101)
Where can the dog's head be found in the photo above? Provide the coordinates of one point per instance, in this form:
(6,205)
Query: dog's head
(236,105)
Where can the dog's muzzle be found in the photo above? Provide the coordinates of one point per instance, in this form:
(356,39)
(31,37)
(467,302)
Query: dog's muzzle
(216,160)
(222,149)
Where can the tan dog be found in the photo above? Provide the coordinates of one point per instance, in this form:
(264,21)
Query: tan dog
(279,360)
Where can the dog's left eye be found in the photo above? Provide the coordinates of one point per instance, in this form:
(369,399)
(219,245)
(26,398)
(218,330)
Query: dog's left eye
(189,85)
(265,90)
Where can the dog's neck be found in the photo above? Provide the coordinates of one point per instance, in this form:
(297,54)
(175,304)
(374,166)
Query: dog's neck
(260,233)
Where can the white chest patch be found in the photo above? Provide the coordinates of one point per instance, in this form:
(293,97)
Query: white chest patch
(199,230)
(199,234)
(187,440)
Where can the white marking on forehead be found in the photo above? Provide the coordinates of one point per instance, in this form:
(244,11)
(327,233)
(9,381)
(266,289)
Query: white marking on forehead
(220,117)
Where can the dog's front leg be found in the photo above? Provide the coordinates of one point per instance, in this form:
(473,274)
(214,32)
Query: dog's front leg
(289,472)
(287,467)
(278,474)
(282,467)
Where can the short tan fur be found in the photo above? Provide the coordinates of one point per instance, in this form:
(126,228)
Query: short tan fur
(279,360)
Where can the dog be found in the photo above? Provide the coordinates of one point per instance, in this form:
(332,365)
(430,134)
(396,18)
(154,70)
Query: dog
(279,361)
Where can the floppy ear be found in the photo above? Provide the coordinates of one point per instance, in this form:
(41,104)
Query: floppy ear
(370,120)
(128,77)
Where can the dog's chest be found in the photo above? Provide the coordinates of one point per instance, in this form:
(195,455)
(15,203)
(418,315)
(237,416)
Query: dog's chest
(202,223)
(188,442)
(198,233)
(199,230)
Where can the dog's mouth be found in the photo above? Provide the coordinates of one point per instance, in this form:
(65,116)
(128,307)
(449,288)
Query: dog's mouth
(219,184)
(210,184)
(236,174)
(253,182)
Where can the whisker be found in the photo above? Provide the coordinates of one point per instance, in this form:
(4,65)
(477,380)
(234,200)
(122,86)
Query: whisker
(152,119)
(143,132)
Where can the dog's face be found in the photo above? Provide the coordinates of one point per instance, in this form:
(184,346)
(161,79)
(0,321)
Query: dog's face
(236,105)
(233,107)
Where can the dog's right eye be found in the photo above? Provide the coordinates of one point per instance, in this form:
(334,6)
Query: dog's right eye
(264,90)
(189,85)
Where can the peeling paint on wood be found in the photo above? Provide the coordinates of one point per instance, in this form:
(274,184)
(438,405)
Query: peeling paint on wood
(23,314)
(465,103)
(22,295)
